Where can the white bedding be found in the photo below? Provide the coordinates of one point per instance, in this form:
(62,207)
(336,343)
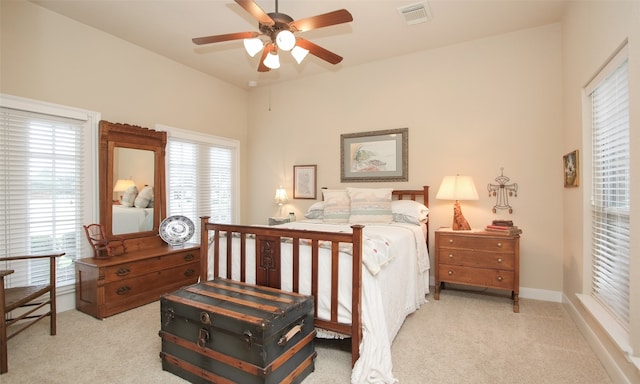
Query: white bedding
(131,219)
(394,284)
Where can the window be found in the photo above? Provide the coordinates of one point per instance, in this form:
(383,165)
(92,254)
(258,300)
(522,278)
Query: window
(46,185)
(608,94)
(201,177)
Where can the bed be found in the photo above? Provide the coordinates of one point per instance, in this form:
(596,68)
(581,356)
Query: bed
(131,219)
(365,278)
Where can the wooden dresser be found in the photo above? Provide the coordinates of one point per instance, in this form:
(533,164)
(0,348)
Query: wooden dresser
(146,271)
(478,258)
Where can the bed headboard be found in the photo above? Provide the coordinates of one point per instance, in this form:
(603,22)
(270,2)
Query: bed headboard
(420,195)
(415,195)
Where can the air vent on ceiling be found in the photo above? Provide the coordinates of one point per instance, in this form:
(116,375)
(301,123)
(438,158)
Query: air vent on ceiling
(415,13)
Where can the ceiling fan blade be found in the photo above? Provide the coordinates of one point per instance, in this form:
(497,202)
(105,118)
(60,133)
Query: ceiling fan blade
(265,52)
(255,11)
(225,37)
(324,20)
(318,51)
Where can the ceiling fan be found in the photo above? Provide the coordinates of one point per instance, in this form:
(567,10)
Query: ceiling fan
(279,28)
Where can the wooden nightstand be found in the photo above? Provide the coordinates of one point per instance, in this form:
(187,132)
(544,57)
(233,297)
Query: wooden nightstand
(479,258)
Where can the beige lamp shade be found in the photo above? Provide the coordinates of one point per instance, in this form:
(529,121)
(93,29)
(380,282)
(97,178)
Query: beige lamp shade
(123,185)
(281,196)
(457,188)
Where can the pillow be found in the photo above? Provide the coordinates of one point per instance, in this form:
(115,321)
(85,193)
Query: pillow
(129,196)
(336,206)
(316,211)
(370,205)
(144,198)
(409,211)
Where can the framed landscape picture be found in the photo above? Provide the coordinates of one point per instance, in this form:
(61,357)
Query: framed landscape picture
(374,156)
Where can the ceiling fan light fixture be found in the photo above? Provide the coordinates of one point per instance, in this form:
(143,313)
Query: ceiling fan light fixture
(253,46)
(299,53)
(285,40)
(272,60)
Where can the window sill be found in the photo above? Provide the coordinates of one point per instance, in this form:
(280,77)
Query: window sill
(611,327)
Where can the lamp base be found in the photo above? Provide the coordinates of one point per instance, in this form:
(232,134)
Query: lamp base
(459,222)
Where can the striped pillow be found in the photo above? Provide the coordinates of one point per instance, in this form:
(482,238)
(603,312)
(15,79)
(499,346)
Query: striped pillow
(336,206)
(370,205)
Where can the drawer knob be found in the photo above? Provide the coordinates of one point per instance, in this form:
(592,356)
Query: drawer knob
(499,259)
(499,245)
(189,257)
(123,290)
(189,272)
(450,241)
(500,278)
(123,272)
(450,272)
(451,255)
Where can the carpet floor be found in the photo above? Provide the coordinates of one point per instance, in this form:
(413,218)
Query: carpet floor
(465,337)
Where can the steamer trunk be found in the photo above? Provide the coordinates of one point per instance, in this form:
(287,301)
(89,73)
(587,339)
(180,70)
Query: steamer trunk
(225,331)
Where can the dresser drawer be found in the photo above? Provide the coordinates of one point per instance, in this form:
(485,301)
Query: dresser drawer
(151,283)
(485,243)
(480,259)
(477,276)
(141,267)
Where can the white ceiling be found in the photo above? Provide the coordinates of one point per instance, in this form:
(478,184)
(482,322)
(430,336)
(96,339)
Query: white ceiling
(378,30)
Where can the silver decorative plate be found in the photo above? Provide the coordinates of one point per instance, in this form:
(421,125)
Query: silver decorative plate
(176,230)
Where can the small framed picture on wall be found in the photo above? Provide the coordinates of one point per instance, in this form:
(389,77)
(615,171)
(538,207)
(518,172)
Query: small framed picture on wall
(304,181)
(571,169)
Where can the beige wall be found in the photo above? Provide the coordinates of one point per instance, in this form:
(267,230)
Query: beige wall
(471,109)
(51,58)
(592,32)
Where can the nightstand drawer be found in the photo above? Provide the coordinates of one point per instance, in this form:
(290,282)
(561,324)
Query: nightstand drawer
(479,259)
(485,243)
(492,278)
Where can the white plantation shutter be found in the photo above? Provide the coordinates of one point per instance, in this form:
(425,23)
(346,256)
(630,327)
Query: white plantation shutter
(610,190)
(42,179)
(201,179)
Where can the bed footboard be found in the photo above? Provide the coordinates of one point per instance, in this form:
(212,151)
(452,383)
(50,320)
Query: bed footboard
(268,241)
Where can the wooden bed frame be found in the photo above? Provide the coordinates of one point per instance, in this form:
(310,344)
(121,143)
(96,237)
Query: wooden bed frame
(268,240)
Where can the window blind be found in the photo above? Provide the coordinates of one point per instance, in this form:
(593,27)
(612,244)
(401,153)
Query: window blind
(41,189)
(200,181)
(610,193)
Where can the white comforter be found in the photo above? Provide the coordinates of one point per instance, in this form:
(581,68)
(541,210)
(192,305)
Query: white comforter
(394,284)
(131,219)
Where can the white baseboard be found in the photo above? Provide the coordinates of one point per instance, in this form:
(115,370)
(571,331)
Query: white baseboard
(615,372)
(541,294)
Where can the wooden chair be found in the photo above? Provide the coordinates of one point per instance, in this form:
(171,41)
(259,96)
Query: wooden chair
(103,248)
(32,298)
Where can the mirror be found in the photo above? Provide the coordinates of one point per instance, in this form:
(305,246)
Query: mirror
(132,187)
(132,168)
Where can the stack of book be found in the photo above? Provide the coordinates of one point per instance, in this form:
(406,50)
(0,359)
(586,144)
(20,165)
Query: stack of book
(503,226)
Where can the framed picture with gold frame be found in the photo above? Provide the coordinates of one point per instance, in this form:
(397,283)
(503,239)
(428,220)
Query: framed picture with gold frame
(570,165)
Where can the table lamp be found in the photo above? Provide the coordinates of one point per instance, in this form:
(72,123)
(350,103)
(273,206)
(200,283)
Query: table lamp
(281,198)
(458,188)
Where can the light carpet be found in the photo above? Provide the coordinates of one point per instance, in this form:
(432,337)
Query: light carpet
(465,337)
